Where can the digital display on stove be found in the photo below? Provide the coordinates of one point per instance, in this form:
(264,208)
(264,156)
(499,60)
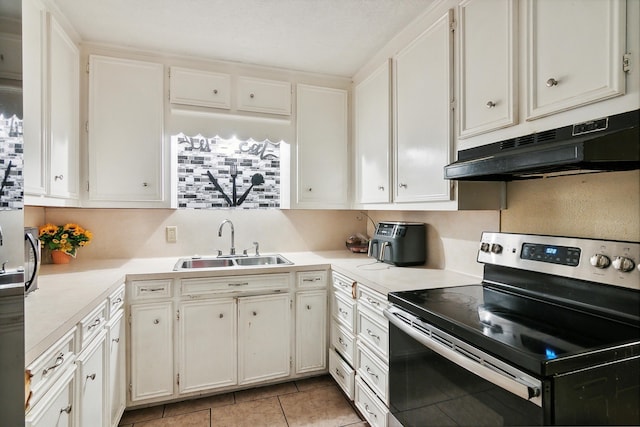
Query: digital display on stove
(552,254)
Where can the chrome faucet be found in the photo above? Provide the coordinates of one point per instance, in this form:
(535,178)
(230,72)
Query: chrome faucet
(232,251)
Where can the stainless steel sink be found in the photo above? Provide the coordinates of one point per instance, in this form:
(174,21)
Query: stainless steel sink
(262,260)
(236,261)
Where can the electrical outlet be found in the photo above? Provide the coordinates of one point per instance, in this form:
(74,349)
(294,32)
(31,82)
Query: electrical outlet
(172,234)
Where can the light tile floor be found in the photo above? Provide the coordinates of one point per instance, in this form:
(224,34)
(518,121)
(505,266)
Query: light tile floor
(310,402)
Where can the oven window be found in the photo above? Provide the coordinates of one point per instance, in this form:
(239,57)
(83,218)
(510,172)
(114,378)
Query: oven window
(428,390)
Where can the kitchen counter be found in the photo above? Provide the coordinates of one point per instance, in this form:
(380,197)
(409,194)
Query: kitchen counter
(68,292)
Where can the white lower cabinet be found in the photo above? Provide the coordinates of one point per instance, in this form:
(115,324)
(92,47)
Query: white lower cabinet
(116,368)
(56,408)
(207,344)
(311,331)
(90,383)
(369,405)
(263,338)
(151,350)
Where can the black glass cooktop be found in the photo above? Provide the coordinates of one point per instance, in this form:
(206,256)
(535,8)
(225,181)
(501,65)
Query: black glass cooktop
(539,336)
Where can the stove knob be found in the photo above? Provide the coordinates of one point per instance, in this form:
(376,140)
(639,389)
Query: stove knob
(600,261)
(484,247)
(623,264)
(496,248)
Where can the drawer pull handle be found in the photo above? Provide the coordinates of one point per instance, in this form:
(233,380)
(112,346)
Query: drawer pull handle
(340,374)
(239,284)
(372,301)
(91,377)
(94,324)
(371,334)
(59,361)
(313,279)
(366,408)
(341,341)
(156,321)
(370,372)
(117,301)
(67,409)
(343,312)
(116,340)
(151,289)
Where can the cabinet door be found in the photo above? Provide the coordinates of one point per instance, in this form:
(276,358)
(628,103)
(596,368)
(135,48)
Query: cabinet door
(126,146)
(574,53)
(117,371)
(423,115)
(202,88)
(264,96)
(207,340)
(64,62)
(263,338)
(322,151)
(33,36)
(91,383)
(151,351)
(487,75)
(311,331)
(57,407)
(373,136)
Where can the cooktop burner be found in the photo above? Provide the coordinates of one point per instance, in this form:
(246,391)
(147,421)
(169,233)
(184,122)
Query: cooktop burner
(537,334)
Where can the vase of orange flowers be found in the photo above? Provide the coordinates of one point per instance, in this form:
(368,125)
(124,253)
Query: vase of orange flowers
(63,240)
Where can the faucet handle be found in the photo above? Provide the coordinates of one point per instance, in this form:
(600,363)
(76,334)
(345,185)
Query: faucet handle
(257,245)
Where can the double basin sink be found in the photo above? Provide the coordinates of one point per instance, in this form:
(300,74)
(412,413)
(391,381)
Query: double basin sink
(196,262)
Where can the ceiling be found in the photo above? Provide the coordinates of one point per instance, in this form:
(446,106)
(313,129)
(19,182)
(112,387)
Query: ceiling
(323,36)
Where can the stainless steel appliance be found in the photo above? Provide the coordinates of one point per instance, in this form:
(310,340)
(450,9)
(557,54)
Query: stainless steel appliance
(32,258)
(603,144)
(551,336)
(399,243)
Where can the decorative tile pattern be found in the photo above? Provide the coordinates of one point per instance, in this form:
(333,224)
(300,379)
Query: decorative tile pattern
(197,155)
(11,149)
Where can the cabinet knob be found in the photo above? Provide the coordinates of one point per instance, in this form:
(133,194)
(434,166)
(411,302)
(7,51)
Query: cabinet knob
(309,189)
(58,177)
(145,184)
(552,82)
(308,307)
(491,104)
(221,315)
(156,321)
(255,313)
(251,96)
(215,91)
(380,187)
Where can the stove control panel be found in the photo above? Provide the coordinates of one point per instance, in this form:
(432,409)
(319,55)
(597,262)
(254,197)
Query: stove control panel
(603,261)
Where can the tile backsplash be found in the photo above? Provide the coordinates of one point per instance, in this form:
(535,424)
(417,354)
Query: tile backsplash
(250,160)
(11,163)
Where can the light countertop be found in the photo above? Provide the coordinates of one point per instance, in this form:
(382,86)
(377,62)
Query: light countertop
(66,293)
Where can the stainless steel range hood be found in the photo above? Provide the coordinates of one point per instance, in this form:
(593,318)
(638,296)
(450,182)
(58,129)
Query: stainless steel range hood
(605,144)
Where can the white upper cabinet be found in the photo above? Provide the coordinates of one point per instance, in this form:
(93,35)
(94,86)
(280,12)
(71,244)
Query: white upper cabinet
(574,53)
(423,115)
(126,144)
(322,148)
(487,58)
(373,136)
(64,63)
(201,88)
(263,96)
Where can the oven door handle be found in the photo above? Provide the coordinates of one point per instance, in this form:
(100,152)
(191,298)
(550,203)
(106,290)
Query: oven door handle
(530,392)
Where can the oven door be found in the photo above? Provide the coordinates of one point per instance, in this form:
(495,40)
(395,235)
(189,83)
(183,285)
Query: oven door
(437,380)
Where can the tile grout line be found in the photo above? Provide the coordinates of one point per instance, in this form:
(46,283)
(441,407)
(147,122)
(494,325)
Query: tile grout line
(282,409)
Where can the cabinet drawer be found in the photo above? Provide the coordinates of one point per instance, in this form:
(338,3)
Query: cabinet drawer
(92,324)
(234,284)
(342,373)
(374,331)
(373,410)
(311,279)
(201,88)
(116,301)
(150,289)
(344,311)
(374,372)
(57,405)
(343,342)
(372,300)
(344,285)
(264,96)
(47,368)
